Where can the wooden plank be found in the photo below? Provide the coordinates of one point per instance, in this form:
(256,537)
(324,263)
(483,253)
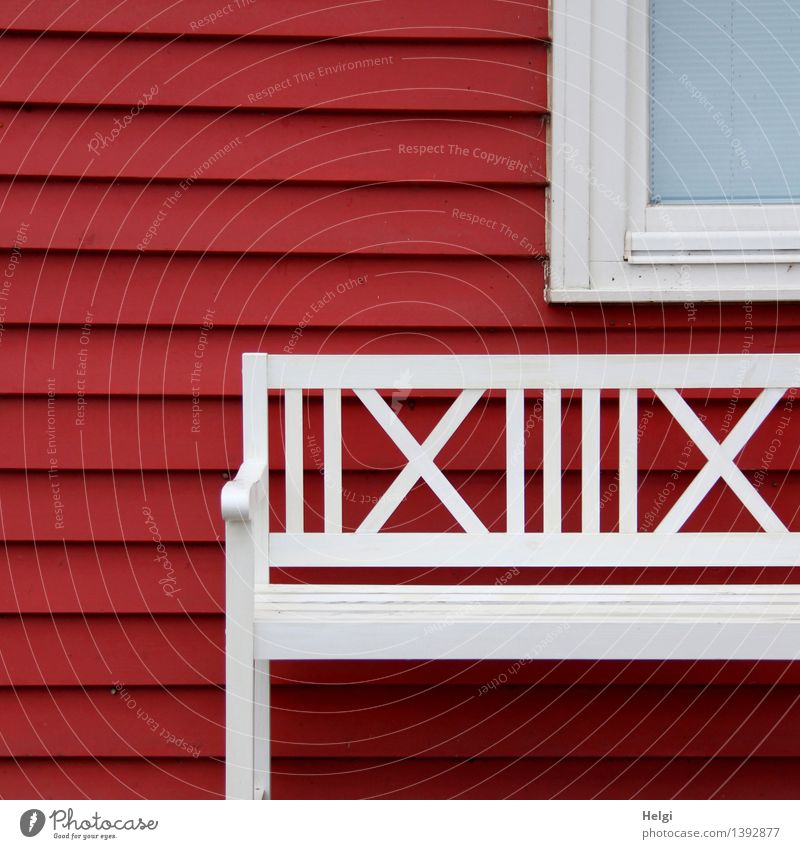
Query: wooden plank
(158,361)
(112,778)
(587,372)
(477,19)
(84,650)
(533,778)
(252,290)
(565,673)
(499,718)
(129,289)
(134,721)
(293,434)
(551,460)
(603,622)
(246,218)
(628,461)
(332,440)
(156,434)
(274,76)
(163,145)
(515,461)
(421,778)
(534,550)
(590,461)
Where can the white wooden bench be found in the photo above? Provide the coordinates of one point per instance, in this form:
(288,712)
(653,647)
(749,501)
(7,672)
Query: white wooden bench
(265,621)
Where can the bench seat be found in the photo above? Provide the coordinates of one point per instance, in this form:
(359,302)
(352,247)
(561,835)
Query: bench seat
(473,622)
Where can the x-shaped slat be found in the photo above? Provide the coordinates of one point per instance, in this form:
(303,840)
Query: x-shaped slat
(720,463)
(420,461)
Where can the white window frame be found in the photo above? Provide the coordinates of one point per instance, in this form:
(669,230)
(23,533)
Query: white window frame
(606,241)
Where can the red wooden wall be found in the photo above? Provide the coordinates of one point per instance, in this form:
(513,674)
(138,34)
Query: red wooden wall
(282,152)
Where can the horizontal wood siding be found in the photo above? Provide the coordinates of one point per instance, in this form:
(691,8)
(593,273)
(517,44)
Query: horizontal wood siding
(179,187)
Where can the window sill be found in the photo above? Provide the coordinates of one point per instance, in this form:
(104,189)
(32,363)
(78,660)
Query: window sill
(680,281)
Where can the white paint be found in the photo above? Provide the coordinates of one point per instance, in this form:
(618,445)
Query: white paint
(265,622)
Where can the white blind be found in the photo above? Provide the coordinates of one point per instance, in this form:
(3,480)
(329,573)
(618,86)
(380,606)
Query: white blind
(725,101)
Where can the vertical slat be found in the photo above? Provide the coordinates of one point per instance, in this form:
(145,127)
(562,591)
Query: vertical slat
(515,461)
(590,461)
(332,414)
(628,461)
(293,402)
(551,451)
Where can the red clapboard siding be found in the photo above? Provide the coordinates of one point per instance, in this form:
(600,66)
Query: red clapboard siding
(306,207)
(184,722)
(373,219)
(98,578)
(114,508)
(488,77)
(61,650)
(362,722)
(539,778)
(477,778)
(538,721)
(112,778)
(418,19)
(322,148)
(157,433)
(157,361)
(135,289)
(431,291)
(544,672)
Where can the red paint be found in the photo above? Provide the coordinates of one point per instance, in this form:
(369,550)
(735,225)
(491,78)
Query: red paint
(318,190)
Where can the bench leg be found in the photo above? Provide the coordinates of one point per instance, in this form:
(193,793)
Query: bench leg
(261,730)
(239,664)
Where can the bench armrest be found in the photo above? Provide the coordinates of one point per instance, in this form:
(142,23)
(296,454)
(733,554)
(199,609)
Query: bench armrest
(241,495)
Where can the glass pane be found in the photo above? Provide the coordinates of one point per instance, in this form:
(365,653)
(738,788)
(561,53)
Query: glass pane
(725,101)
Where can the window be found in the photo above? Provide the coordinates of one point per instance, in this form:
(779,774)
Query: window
(675,158)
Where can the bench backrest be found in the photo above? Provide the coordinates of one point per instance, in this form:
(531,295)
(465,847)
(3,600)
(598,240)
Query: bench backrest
(765,384)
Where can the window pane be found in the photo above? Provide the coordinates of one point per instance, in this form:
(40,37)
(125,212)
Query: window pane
(725,105)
